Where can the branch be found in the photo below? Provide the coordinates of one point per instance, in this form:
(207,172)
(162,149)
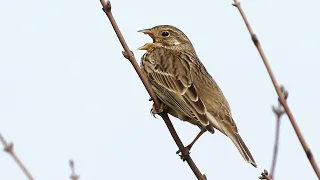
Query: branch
(265,175)
(73,176)
(278,111)
(282,100)
(9,149)
(129,55)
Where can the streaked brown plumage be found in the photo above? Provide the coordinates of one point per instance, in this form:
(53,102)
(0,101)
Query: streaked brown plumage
(183,84)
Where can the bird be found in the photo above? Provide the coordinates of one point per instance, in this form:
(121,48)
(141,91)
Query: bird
(185,88)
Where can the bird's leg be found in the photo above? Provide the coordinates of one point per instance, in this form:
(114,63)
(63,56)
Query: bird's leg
(157,110)
(192,143)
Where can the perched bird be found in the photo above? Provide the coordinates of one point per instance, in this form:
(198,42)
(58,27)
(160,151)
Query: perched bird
(184,86)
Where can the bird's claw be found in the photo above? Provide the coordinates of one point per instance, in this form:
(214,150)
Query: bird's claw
(155,110)
(153,114)
(182,155)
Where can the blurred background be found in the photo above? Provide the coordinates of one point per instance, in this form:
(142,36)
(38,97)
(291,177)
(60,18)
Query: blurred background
(67,92)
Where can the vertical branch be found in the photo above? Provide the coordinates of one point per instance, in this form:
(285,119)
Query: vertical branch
(129,55)
(9,149)
(278,111)
(73,176)
(282,100)
(276,140)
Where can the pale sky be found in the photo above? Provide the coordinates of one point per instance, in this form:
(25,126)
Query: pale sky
(67,92)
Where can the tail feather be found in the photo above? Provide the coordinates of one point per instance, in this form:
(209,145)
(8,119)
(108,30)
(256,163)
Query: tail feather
(243,149)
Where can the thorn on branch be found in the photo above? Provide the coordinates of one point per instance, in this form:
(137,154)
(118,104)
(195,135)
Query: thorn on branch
(265,175)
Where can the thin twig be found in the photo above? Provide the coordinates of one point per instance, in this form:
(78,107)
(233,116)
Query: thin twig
(278,111)
(278,90)
(276,143)
(73,176)
(8,147)
(129,55)
(265,175)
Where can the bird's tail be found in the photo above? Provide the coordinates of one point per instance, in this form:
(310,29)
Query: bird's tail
(244,151)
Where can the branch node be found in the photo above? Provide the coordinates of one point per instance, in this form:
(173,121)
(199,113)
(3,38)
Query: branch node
(127,56)
(237,4)
(255,39)
(285,93)
(309,154)
(108,6)
(9,148)
(278,111)
(204,177)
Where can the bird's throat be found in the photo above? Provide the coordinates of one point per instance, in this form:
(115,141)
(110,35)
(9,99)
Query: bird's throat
(146,46)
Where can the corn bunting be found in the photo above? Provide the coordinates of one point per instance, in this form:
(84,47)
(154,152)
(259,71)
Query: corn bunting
(184,86)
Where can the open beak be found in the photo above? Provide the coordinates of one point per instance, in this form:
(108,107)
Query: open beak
(147,46)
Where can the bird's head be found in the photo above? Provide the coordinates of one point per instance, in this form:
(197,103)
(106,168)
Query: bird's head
(164,35)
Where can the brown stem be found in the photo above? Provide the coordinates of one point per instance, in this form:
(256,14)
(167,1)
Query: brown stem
(280,95)
(129,55)
(9,149)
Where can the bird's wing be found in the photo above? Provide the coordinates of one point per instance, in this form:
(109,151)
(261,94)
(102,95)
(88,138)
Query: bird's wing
(216,104)
(169,73)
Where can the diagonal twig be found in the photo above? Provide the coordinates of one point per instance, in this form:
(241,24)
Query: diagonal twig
(8,147)
(129,55)
(282,100)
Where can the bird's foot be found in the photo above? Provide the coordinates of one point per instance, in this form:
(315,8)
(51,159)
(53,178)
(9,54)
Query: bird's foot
(186,154)
(157,110)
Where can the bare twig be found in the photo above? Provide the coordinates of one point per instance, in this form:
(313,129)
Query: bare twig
(278,111)
(73,176)
(265,175)
(278,90)
(129,55)
(8,147)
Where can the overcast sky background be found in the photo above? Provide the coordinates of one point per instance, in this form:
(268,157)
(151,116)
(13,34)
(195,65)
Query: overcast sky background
(67,92)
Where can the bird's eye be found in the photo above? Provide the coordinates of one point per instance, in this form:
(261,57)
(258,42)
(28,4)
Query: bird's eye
(165,33)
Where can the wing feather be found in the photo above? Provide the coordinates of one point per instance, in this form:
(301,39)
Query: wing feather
(171,77)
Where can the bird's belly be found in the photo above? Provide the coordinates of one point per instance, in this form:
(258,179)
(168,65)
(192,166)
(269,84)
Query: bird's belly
(183,117)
